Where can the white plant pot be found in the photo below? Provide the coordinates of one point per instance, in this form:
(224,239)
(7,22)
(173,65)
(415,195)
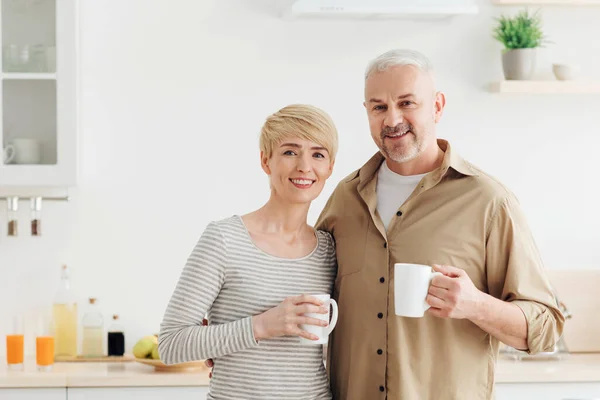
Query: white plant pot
(519,64)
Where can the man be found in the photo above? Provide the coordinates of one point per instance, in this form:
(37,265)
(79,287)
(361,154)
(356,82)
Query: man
(417,201)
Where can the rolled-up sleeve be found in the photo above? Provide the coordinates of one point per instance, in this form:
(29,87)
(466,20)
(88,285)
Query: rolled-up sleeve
(515,273)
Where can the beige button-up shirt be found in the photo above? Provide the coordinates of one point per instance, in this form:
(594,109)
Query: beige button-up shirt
(458,216)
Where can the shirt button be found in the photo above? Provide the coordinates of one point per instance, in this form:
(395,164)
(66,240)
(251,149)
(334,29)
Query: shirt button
(385,245)
(379,351)
(399,213)
(382,279)
(380,315)
(381,388)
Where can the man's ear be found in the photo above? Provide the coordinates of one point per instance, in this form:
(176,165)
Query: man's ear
(438,106)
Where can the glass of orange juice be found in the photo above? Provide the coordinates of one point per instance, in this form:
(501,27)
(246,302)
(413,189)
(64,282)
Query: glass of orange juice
(14,345)
(44,347)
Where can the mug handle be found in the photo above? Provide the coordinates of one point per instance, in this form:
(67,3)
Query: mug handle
(334,317)
(9,153)
(433,275)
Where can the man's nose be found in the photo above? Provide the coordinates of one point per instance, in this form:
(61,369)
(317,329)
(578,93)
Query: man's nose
(393,118)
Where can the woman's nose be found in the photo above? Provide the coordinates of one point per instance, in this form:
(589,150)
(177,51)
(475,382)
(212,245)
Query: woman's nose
(303,164)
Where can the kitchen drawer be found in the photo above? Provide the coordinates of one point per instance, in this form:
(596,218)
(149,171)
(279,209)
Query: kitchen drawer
(136,393)
(34,394)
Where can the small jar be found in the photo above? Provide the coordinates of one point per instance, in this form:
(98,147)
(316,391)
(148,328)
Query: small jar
(36,216)
(12,217)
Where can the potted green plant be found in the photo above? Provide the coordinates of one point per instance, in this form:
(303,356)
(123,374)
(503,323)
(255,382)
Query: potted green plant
(521,36)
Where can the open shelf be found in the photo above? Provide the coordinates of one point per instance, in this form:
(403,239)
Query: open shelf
(28,76)
(546,87)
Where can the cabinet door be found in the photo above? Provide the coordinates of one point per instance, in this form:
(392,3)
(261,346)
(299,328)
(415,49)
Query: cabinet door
(134,393)
(548,391)
(38,88)
(34,394)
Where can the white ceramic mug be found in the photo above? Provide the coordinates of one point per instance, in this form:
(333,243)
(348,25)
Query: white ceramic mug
(22,151)
(9,154)
(411,284)
(321,331)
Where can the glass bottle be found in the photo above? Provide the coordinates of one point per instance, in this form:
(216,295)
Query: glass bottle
(12,217)
(36,213)
(64,312)
(93,331)
(116,338)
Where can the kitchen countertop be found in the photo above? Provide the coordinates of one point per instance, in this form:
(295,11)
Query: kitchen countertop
(98,374)
(572,369)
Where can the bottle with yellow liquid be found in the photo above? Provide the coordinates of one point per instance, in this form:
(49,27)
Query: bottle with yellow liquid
(93,331)
(64,313)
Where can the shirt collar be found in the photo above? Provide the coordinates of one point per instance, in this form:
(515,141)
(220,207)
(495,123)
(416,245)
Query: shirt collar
(451,160)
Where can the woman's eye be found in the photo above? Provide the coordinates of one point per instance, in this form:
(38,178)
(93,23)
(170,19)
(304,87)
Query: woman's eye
(289,153)
(319,155)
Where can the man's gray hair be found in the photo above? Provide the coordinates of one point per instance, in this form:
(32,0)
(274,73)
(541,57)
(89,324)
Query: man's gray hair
(396,57)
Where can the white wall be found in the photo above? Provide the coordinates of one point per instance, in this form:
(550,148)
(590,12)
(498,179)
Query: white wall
(173,97)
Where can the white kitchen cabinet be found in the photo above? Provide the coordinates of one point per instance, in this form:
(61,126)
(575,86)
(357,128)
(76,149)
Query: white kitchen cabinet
(548,391)
(38,93)
(134,393)
(34,394)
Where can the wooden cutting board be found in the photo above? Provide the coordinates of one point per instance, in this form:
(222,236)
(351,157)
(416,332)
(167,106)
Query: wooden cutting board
(124,358)
(579,290)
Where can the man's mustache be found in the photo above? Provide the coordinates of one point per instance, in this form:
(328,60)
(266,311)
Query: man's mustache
(400,128)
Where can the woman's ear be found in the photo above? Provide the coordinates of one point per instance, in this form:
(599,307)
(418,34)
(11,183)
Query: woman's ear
(264,163)
(331,169)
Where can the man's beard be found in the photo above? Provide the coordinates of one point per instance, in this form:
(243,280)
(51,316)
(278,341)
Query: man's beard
(406,151)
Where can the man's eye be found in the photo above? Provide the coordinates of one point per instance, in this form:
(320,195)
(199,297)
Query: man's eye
(379,108)
(406,103)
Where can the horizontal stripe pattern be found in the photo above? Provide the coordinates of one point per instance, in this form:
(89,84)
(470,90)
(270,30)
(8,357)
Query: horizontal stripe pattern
(229,279)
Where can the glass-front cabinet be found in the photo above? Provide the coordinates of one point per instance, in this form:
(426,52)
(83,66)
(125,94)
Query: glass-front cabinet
(38,93)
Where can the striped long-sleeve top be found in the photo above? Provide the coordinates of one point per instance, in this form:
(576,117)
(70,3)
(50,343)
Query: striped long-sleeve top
(231,279)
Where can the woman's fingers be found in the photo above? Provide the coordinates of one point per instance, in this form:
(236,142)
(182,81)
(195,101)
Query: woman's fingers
(311,321)
(306,298)
(310,309)
(306,335)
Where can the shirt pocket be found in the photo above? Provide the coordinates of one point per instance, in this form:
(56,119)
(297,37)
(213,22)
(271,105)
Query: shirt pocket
(350,235)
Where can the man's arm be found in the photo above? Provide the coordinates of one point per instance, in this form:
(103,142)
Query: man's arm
(516,281)
(504,321)
(454,296)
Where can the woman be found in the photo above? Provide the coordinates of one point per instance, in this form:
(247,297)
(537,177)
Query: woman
(253,275)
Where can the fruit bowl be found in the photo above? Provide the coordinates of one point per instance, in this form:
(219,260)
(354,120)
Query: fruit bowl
(183,367)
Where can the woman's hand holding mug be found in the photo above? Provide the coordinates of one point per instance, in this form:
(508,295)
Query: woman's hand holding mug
(284,319)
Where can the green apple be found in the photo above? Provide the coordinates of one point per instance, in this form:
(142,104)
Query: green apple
(154,354)
(143,348)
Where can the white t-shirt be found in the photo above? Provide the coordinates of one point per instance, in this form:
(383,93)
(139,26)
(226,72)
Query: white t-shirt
(392,191)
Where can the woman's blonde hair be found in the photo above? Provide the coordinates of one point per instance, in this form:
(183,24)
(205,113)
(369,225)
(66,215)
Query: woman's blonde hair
(301,121)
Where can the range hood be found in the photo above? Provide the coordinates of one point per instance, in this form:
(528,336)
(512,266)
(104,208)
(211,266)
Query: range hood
(381,8)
